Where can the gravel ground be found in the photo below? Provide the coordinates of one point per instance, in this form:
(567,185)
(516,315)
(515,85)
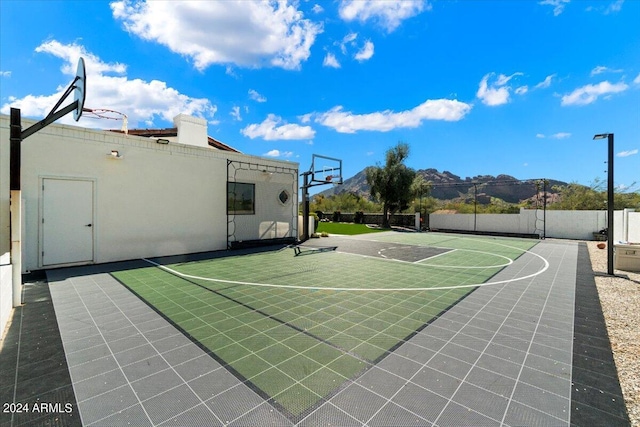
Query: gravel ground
(620,300)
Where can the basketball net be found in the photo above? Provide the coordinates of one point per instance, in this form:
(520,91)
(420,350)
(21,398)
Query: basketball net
(103,113)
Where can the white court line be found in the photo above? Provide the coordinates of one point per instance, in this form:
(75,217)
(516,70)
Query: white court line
(322,288)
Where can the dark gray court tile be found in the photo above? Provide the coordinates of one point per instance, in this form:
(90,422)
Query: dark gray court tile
(542,400)
(358,402)
(151,325)
(107,404)
(551,341)
(511,342)
(491,381)
(99,384)
(393,415)
(444,330)
(161,333)
(414,352)
(498,365)
(381,382)
(155,384)
(183,354)
(553,367)
(425,403)
(428,341)
(133,416)
(457,415)
(552,383)
(166,405)
(400,366)
(127,343)
(197,367)
(213,383)
(83,343)
(144,368)
(481,401)
(197,416)
(507,353)
(234,403)
(329,415)
(115,325)
(462,353)
(560,355)
(83,356)
(522,415)
(92,368)
(106,317)
(449,365)
(263,415)
(481,334)
(135,354)
(127,331)
(436,381)
(171,343)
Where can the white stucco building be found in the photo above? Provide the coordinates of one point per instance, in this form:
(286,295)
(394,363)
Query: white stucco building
(94,196)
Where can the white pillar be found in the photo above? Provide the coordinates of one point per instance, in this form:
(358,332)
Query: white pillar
(16,247)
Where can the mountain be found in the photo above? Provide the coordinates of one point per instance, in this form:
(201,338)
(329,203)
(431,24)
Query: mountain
(448,186)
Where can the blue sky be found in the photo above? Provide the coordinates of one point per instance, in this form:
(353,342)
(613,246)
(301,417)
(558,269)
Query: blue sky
(474,87)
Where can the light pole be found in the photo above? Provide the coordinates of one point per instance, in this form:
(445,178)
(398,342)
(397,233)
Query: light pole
(609,137)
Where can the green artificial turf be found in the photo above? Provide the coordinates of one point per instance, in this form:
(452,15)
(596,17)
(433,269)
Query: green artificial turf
(346,228)
(300,345)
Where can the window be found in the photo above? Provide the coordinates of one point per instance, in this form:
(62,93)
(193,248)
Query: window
(241,198)
(283,197)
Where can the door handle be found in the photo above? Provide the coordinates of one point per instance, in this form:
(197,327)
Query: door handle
(89,225)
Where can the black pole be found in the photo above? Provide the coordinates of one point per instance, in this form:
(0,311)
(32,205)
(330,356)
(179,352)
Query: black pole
(610,207)
(544,210)
(14,149)
(305,207)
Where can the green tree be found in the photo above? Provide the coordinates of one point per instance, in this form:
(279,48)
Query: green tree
(420,188)
(391,184)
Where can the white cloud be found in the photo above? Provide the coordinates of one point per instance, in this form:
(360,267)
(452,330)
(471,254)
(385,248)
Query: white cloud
(349,39)
(330,61)
(235,113)
(366,52)
(278,153)
(496,93)
(522,90)
(5,73)
(561,135)
(273,128)
(602,69)
(614,7)
(248,34)
(590,93)
(627,153)
(545,83)
(142,101)
(388,14)
(317,8)
(256,96)
(637,79)
(539,135)
(384,121)
(558,5)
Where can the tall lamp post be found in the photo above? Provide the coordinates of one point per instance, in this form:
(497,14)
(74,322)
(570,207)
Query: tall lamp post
(609,137)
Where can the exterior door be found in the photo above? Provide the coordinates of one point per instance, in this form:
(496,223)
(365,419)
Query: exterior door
(67,221)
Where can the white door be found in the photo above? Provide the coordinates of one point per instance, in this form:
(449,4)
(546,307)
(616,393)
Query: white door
(67,221)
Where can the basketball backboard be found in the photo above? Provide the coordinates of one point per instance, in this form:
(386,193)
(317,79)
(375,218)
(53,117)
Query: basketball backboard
(326,170)
(79,89)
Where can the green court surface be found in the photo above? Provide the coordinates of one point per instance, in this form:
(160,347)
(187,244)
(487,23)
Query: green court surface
(297,328)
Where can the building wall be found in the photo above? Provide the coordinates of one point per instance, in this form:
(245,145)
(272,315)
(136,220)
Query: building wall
(157,200)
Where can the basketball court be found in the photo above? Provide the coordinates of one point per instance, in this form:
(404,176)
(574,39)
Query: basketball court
(387,329)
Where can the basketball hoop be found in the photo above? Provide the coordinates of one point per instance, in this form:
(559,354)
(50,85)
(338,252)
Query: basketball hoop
(79,89)
(104,113)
